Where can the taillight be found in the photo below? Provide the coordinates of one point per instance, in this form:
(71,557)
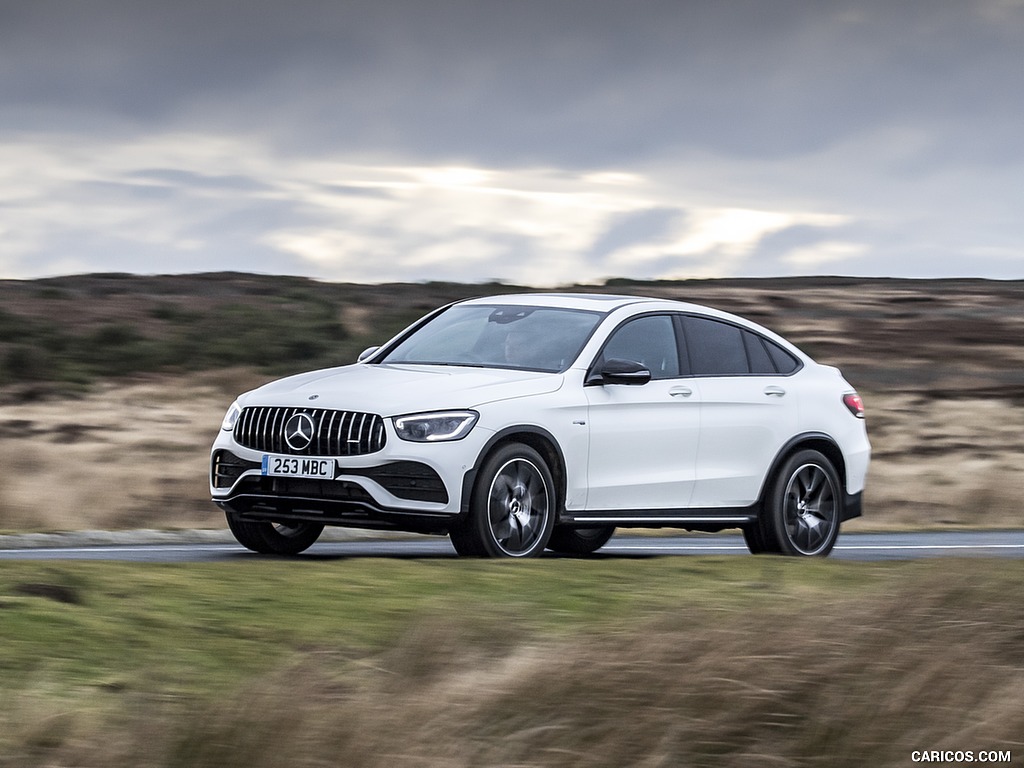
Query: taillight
(854,404)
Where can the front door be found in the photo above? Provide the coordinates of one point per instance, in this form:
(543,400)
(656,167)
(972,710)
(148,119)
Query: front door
(643,437)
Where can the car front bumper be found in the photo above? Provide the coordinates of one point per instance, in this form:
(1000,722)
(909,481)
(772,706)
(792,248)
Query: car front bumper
(405,486)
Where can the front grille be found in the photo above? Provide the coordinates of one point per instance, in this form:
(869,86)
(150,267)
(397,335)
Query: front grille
(335,433)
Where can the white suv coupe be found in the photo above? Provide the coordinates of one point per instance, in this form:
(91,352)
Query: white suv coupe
(516,424)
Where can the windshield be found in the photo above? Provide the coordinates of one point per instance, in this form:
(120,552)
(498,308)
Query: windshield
(497,336)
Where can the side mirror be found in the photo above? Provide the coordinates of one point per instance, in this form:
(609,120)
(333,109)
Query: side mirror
(616,371)
(366,353)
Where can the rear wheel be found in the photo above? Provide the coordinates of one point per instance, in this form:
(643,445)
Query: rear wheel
(803,509)
(274,538)
(580,541)
(757,542)
(512,509)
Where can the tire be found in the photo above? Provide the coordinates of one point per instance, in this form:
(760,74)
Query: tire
(580,541)
(802,511)
(274,538)
(757,542)
(466,545)
(512,507)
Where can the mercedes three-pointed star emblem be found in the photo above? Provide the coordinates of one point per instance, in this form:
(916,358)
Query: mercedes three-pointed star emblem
(298,431)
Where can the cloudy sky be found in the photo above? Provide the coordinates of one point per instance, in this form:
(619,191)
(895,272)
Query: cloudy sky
(532,141)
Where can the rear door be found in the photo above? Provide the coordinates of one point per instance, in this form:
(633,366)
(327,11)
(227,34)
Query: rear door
(748,409)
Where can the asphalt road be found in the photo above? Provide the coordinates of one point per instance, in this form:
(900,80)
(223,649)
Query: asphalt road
(851,546)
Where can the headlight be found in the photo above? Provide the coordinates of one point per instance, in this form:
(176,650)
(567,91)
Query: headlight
(231,416)
(435,427)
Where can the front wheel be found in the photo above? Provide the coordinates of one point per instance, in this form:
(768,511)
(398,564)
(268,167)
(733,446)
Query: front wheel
(802,511)
(512,509)
(274,538)
(580,541)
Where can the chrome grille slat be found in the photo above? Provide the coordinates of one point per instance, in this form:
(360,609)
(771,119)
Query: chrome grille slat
(351,425)
(359,433)
(345,433)
(268,427)
(336,433)
(273,431)
(330,426)
(261,426)
(247,426)
(276,422)
(241,427)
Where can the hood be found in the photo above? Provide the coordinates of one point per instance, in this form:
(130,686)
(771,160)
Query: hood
(391,390)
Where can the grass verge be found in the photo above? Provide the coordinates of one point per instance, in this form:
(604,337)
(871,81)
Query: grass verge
(371,662)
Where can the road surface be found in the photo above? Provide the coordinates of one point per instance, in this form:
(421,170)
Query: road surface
(851,546)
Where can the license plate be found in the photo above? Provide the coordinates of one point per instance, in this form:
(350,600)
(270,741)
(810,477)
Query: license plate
(298,466)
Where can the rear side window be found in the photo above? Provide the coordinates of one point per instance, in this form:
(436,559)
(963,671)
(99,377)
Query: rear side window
(716,349)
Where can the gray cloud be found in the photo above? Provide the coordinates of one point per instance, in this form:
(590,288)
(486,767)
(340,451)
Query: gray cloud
(529,80)
(903,119)
(635,228)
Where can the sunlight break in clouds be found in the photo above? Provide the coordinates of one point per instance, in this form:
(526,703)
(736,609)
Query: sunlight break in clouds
(196,202)
(533,227)
(527,226)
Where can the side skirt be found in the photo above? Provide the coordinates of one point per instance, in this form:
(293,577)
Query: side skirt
(690,519)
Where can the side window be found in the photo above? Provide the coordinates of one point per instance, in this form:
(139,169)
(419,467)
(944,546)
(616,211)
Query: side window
(648,340)
(761,362)
(784,362)
(716,349)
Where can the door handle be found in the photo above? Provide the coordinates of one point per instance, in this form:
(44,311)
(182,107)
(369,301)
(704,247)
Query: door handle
(775,391)
(680,391)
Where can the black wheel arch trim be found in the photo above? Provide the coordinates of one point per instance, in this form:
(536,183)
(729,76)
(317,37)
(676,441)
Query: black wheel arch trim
(852,503)
(503,435)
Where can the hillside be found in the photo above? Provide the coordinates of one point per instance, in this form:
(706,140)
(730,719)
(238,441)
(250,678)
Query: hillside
(112,385)
(888,335)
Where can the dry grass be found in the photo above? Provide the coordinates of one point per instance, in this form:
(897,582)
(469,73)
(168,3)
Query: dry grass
(130,455)
(945,462)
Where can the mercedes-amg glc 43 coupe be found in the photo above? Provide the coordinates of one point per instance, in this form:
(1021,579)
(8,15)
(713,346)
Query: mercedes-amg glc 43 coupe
(520,423)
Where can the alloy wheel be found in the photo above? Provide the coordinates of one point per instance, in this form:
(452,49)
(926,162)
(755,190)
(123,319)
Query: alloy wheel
(811,509)
(518,507)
